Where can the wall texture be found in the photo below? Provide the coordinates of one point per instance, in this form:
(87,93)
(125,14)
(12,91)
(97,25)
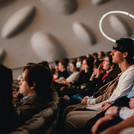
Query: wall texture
(63,25)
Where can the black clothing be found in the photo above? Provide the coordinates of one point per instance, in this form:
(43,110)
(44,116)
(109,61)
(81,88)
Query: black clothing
(123,101)
(64,74)
(8,117)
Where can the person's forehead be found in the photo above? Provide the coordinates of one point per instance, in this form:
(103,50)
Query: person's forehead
(25,73)
(106,58)
(115,45)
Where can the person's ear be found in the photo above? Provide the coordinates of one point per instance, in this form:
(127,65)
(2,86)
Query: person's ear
(125,54)
(32,87)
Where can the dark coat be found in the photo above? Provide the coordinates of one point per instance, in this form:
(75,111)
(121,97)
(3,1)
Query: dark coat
(30,106)
(8,115)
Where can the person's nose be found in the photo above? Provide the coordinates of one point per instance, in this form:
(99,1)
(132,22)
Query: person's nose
(19,82)
(112,52)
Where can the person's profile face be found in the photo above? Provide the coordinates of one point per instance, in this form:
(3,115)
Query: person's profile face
(24,88)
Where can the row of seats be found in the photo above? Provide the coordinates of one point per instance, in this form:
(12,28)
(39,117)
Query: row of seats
(45,122)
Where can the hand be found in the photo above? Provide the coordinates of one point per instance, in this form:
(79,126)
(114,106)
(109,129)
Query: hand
(105,105)
(91,101)
(62,88)
(93,75)
(84,101)
(15,95)
(86,68)
(63,81)
(99,122)
(131,103)
(99,70)
(112,111)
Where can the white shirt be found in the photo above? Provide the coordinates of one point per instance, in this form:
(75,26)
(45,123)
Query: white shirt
(73,77)
(126,112)
(126,80)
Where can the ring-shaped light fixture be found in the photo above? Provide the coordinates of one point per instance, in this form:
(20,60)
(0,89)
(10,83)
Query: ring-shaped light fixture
(108,13)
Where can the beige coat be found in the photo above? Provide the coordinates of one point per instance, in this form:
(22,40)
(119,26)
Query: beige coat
(106,91)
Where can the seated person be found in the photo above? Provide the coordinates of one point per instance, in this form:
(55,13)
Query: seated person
(127,123)
(74,74)
(66,83)
(63,73)
(55,70)
(121,109)
(36,87)
(105,72)
(101,55)
(79,62)
(85,72)
(84,75)
(8,116)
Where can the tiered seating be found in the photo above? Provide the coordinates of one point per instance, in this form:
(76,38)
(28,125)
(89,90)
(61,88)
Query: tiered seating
(45,122)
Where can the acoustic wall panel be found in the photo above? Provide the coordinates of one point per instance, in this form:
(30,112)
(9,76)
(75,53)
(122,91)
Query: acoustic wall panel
(18,21)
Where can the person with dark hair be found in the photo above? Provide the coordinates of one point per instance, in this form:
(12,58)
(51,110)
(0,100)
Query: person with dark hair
(79,62)
(16,93)
(55,70)
(44,63)
(74,76)
(36,87)
(76,86)
(95,56)
(85,72)
(63,73)
(8,116)
(106,71)
(66,83)
(56,62)
(101,55)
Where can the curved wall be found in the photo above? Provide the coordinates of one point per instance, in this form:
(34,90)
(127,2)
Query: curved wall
(19,49)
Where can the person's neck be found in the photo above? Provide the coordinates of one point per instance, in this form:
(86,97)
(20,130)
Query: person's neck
(62,70)
(124,66)
(74,71)
(107,71)
(31,94)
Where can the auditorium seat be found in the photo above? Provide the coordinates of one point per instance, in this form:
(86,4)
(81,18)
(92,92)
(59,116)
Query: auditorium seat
(45,122)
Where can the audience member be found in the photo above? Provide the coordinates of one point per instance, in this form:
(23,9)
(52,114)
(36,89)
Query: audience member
(9,120)
(101,55)
(74,76)
(55,70)
(36,87)
(120,110)
(79,62)
(107,71)
(45,64)
(63,73)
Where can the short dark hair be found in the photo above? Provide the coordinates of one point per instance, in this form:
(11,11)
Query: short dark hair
(102,53)
(74,62)
(126,45)
(56,62)
(110,59)
(42,77)
(64,63)
(44,63)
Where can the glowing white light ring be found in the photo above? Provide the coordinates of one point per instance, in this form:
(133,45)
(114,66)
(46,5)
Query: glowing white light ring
(108,13)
